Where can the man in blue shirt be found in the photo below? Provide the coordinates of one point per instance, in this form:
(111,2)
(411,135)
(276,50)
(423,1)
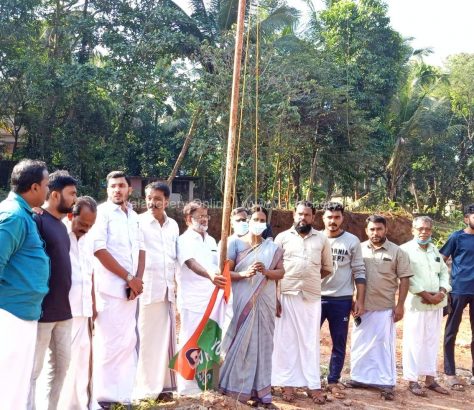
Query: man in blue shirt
(24,274)
(460,248)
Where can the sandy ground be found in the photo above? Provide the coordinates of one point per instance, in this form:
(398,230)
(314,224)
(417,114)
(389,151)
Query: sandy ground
(358,398)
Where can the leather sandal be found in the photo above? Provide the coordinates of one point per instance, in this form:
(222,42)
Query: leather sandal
(288,394)
(416,389)
(317,396)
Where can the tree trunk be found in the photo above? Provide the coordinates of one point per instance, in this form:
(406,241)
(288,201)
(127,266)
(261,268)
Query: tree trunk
(184,150)
(312,176)
(296,178)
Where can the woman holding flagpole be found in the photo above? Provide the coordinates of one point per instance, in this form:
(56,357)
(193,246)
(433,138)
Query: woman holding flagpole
(256,265)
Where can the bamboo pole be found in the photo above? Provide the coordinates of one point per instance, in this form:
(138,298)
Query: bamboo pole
(231,143)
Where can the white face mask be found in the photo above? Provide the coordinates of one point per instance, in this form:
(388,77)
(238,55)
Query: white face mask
(257,228)
(198,227)
(240,228)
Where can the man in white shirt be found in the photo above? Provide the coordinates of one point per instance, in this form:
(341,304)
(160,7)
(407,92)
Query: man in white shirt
(199,273)
(156,321)
(76,391)
(118,274)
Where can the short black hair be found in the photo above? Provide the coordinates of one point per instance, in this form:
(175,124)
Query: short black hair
(59,180)
(333,206)
(26,173)
(159,186)
(258,208)
(469,210)
(376,219)
(84,201)
(306,204)
(118,174)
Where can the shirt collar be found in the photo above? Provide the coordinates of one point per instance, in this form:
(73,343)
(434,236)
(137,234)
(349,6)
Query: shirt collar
(196,235)
(384,246)
(150,218)
(114,207)
(13,196)
(310,233)
(429,248)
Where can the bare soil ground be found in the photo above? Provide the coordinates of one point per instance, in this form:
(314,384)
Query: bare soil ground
(358,399)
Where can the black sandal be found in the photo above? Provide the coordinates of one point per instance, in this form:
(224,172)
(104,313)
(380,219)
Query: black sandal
(387,394)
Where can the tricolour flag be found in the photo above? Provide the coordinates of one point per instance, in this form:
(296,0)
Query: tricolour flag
(202,351)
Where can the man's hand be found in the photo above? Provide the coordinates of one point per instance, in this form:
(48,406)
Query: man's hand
(398,313)
(432,298)
(217,279)
(37,210)
(136,285)
(358,308)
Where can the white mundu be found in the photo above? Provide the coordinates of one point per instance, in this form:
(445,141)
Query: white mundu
(373,349)
(115,339)
(295,360)
(76,391)
(156,320)
(194,291)
(421,334)
(19,336)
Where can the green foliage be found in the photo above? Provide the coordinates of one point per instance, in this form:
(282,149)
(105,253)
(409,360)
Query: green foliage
(344,108)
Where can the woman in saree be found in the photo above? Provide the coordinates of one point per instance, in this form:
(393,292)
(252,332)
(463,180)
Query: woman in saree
(256,265)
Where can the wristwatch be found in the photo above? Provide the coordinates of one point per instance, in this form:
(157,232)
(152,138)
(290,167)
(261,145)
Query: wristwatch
(130,277)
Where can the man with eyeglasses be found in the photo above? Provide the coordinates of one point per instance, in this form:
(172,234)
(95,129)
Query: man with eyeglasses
(197,277)
(424,308)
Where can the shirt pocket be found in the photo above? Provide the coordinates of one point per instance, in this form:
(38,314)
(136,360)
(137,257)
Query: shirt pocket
(385,266)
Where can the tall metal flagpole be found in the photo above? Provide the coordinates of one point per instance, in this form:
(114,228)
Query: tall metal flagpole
(231,143)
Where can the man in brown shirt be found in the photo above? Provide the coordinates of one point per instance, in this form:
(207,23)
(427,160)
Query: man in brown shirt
(373,337)
(307,259)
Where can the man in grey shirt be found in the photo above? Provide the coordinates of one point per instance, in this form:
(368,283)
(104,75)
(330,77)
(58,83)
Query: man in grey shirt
(337,289)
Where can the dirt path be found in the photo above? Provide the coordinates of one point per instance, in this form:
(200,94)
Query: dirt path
(359,399)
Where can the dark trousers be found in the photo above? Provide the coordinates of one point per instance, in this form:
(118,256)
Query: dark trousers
(458,303)
(337,313)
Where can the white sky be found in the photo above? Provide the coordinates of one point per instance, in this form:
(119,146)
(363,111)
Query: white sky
(444,25)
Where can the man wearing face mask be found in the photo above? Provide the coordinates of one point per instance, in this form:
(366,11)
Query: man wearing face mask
(424,308)
(196,279)
(239,221)
(307,259)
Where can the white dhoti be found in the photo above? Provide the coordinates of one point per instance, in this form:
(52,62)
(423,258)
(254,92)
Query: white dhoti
(157,331)
(373,349)
(421,334)
(115,354)
(17,352)
(76,391)
(296,358)
(189,323)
